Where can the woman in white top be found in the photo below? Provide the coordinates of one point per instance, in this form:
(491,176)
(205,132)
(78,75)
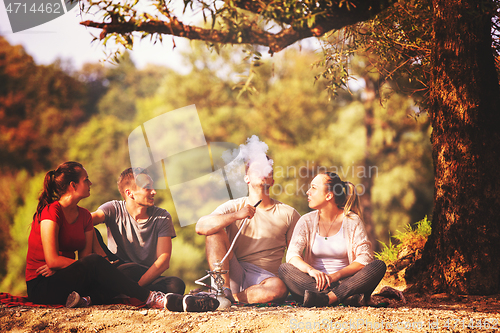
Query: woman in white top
(330,257)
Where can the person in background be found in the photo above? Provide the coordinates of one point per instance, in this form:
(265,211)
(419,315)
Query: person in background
(59,229)
(139,233)
(254,261)
(330,258)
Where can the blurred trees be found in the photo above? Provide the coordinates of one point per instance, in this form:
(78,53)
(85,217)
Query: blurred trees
(14,185)
(38,104)
(308,134)
(101,146)
(14,281)
(124,84)
(39,107)
(354,135)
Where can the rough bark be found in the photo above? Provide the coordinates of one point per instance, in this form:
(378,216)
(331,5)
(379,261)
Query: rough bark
(462,255)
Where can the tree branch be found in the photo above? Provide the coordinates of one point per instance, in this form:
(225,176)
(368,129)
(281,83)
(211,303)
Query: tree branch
(275,42)
(335,18)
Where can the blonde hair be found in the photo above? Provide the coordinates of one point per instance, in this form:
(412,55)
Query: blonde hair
(346,196)
(352,203)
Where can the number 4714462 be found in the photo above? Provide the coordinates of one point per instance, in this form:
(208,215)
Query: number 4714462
(18,7)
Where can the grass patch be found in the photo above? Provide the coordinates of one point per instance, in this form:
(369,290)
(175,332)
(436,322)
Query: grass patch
(389,252)
(410,235)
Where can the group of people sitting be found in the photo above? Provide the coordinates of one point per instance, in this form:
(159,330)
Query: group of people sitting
(329,258)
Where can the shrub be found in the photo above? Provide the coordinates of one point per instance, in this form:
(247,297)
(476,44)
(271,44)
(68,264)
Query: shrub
(410,236)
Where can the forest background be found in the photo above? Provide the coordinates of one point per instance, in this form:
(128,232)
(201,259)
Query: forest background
(373,137)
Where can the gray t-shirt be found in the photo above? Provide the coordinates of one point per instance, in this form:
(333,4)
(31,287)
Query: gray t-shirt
(133,241)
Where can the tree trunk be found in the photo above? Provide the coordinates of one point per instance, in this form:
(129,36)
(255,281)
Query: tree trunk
(371,92)
(462,255)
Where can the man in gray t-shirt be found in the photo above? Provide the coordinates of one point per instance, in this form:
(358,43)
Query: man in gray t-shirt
(139,233)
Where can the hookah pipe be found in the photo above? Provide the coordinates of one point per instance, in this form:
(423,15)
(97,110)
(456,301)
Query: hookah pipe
(217,272)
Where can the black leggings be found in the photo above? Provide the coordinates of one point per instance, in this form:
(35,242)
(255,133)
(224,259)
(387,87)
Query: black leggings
(91,276)
(363,282)
(165,284)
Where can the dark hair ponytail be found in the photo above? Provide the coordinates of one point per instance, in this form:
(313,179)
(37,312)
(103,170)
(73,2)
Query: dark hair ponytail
(56,183)
(345,194)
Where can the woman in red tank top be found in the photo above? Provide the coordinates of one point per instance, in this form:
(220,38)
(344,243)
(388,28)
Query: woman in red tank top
(59,229)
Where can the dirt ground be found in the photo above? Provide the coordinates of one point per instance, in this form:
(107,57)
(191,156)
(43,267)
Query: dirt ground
(435,313)
(424,313)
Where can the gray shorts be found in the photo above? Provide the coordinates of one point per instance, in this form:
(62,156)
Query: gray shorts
(244,275)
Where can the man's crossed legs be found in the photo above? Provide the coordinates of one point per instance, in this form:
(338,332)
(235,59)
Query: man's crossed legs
(248,282)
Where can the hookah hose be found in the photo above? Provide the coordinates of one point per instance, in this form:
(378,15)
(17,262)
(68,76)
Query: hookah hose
(228,251)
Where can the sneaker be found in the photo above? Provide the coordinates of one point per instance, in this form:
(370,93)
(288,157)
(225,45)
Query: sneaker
(74,300)
(313,298)
(173,302)
(199,303)
(156,300)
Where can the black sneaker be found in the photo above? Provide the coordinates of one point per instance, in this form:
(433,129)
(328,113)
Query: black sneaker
(313,298)
(199,303)
(74,300)
(173,302)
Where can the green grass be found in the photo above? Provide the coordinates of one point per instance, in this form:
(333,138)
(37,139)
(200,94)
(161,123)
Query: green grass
(389,253)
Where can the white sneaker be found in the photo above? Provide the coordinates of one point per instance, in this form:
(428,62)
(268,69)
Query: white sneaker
(156,300)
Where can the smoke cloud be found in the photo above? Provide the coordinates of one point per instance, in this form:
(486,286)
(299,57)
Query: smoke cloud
(253,152)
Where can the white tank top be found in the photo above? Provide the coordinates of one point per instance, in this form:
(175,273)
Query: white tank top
(330,255)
